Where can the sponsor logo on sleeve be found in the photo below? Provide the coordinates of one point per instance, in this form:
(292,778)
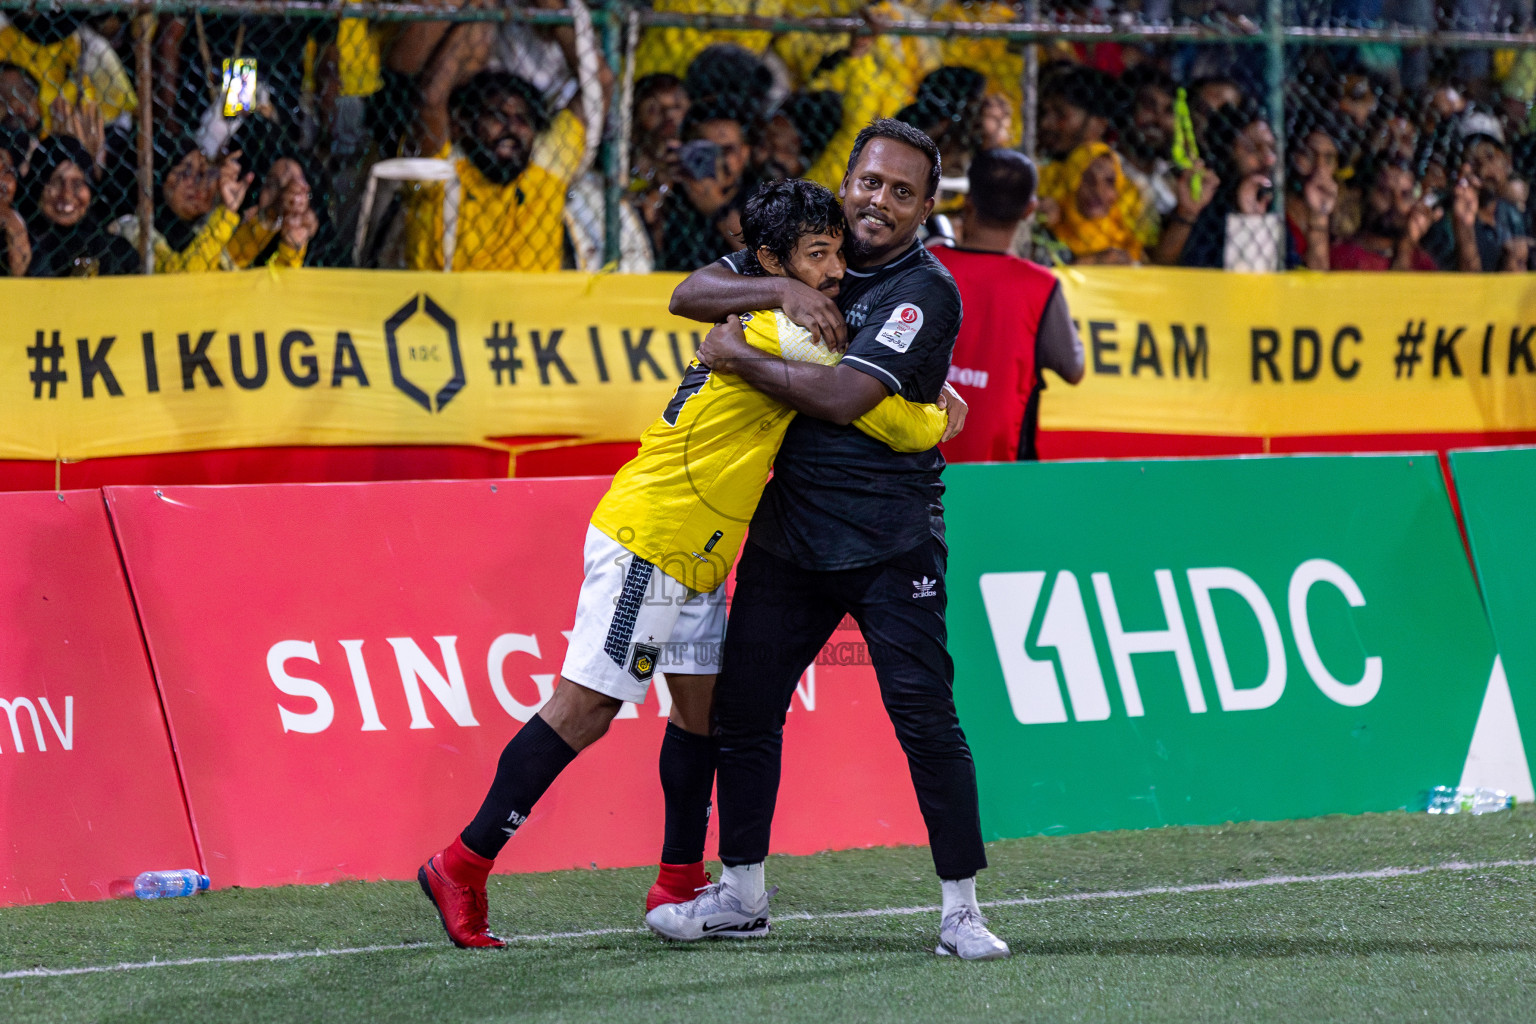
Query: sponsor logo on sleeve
(902,326)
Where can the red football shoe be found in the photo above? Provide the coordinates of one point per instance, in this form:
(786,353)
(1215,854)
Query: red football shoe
(676,883)
(462,908)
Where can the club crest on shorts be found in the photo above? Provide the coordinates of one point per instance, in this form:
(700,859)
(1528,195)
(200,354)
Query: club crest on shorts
(642,661)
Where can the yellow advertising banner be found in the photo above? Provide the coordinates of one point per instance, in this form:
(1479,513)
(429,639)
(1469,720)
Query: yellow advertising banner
(129,366)
(121,366)
(1267,355)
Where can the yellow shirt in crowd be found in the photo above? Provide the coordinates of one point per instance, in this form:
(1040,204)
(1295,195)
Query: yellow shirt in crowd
(517,226)
(803,51)
(359,62)
(79,67)
(223,241)
(671,50)
(684,501)
(906,58)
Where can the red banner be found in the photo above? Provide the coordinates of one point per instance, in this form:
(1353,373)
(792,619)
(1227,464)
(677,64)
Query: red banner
(342,665)
(88,790)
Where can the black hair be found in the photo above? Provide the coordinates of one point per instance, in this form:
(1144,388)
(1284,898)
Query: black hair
(51,154)
(37,86)
(491,87)
(1374,169)
(816,117)
(780,212)
(718,108)
(170,151)
(1002,185)
(47,27)
(727,70)
(1148,76)
(1082,87)
(947,106)
(16,144)
(898,131)
(1225,125)
(650,85)
(1441,144)
(1207,80)
(1305,121)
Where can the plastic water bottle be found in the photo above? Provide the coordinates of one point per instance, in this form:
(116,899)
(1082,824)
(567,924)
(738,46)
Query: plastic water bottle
(1467,800)
(154,885)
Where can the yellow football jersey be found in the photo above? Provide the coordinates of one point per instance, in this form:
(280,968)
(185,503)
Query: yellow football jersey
(684,501)
(517,226)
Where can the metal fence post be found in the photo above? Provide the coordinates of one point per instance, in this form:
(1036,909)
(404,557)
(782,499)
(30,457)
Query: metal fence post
(1031,87)
(613,193)
(143,51)
(1275,68)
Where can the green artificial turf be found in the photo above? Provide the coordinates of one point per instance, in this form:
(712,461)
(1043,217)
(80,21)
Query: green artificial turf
(1438,946)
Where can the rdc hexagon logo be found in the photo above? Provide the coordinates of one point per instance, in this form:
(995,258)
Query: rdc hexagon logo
(422,355)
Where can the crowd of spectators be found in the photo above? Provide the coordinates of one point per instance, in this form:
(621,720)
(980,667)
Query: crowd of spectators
(1375,175)
(1147,154)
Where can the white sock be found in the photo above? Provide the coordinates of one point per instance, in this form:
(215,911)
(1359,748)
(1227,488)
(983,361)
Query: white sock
(958,893)
(745,882)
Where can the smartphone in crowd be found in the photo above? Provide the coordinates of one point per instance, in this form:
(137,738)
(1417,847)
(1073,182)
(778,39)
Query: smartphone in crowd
(239,86)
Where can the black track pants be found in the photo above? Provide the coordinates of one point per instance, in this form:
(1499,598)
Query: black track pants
(781,615)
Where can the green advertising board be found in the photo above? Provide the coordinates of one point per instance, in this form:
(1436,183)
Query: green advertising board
(1197,641)
(1497,489)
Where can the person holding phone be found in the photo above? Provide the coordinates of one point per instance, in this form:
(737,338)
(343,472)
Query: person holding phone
(197,208)
(701,217)
(1243,156)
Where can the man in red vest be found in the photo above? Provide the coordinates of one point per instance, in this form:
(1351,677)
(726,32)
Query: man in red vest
(1016,320)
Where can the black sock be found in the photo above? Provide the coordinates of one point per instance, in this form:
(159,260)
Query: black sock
(687,777)
(531,762)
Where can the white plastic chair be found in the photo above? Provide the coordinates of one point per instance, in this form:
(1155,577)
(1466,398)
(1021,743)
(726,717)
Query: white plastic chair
(412,169)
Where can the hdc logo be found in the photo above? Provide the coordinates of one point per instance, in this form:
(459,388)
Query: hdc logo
(1035,692)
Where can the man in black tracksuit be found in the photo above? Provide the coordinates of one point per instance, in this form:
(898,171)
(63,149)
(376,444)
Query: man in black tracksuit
(846,526)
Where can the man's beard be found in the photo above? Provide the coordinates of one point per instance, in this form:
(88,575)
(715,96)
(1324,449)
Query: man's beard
(856,249)
(496,169)
(1385,225)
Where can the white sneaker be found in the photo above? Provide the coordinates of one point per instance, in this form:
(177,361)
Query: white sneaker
(714,913)
(964,934)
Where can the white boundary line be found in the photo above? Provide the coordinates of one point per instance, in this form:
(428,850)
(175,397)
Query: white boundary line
(1076,897)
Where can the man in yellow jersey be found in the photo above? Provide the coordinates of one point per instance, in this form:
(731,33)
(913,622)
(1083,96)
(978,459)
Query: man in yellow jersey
(513,158)
(660,545)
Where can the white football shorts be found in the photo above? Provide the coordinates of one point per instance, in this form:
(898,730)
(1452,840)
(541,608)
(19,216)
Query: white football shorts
(633,620)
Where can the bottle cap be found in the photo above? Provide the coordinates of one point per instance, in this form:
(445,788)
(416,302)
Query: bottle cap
(202,883)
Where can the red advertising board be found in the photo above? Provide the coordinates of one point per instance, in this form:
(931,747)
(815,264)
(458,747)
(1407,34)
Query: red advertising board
(88,789)
(343,663)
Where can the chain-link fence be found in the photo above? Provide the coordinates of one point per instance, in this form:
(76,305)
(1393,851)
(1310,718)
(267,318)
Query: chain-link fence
(468,135)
